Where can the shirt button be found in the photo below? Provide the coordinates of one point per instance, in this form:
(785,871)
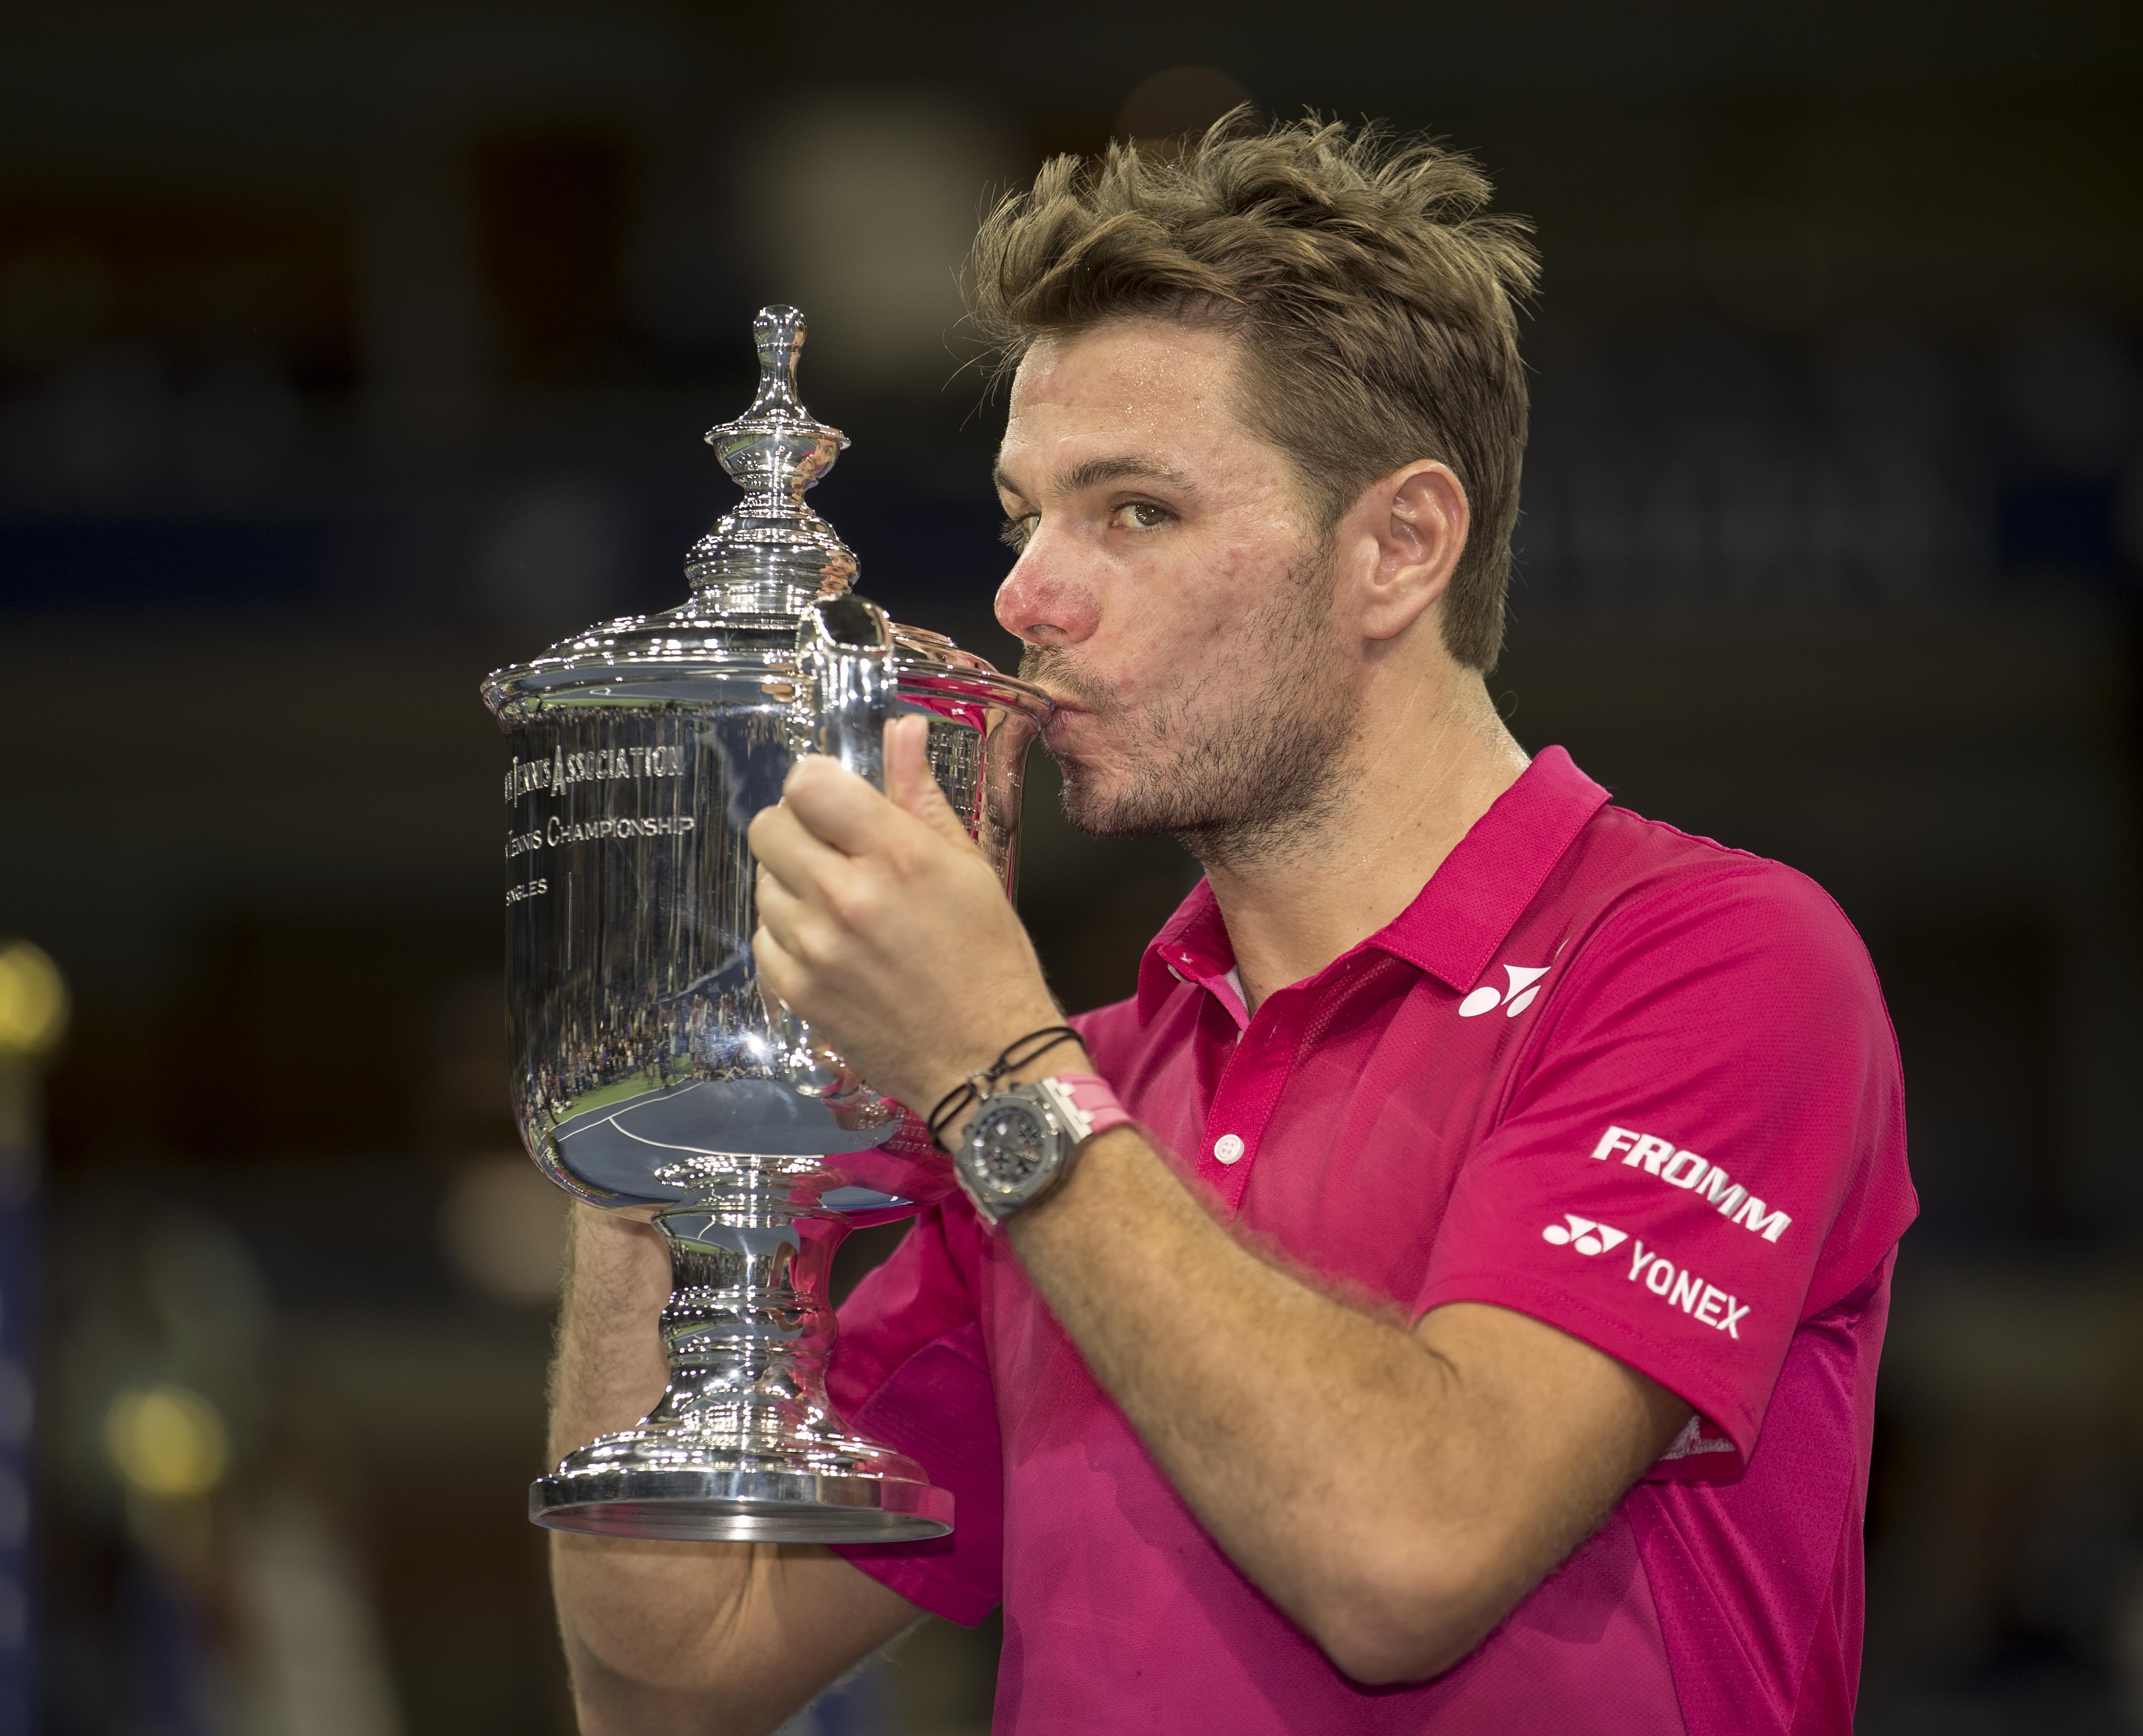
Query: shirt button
(1228,1148)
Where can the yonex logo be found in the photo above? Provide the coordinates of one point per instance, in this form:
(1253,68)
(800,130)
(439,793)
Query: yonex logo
(1583,1234)
(1679,1288)
(1525,985)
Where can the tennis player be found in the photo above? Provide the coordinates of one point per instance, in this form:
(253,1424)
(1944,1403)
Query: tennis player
(1447,1297)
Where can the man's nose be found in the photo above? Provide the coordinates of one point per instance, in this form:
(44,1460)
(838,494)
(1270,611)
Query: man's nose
(1042,602)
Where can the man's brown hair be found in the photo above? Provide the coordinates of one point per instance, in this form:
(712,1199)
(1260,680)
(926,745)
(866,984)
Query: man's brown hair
(1374,299)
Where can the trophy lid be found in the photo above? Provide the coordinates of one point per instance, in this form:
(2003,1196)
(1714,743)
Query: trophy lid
(753,575)
(773,553)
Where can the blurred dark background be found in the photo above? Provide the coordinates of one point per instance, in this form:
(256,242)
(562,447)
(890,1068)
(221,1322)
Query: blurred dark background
(348,351)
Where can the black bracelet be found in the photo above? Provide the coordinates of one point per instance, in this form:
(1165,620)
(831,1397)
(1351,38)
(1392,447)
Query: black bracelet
(976,1086)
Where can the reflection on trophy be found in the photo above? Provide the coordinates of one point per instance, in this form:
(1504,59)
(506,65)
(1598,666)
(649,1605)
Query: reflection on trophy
(650,1072)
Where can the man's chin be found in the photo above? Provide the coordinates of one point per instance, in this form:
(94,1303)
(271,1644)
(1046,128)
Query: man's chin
(1081,805)
(1101,811)
(1088,803)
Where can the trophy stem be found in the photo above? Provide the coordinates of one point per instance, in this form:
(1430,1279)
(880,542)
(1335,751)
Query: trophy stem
(747,1329)
(742,1445)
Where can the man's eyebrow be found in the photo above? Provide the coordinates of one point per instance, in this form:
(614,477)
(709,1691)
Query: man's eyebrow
(1099,470)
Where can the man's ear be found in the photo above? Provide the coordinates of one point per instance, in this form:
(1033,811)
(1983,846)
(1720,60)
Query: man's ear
(1418,518)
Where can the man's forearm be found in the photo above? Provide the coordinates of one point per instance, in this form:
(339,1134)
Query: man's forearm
(668,1637)
(1361,1479)
(609,1367)
(1274,1411)
(628,1611)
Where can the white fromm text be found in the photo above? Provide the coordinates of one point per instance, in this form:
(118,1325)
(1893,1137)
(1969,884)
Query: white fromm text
(1703,1178)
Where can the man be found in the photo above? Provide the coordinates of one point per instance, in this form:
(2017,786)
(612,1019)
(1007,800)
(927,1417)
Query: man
(1476,1329)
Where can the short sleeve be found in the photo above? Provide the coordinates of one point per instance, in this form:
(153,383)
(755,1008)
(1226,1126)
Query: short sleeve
(910,1370)
(1703,1147)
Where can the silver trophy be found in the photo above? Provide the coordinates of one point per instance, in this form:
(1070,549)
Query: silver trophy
(651,1074)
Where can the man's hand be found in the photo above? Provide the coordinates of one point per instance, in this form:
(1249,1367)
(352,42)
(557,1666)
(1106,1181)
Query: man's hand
(882,924)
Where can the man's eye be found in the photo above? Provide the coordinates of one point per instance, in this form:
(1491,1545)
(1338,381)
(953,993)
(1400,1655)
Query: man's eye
(1016,532)
(1143,515)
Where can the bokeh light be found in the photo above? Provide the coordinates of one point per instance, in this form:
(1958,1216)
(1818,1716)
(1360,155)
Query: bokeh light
(166,1442)
(33,1001)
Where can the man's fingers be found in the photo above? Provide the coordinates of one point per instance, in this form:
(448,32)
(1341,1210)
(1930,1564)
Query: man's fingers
(841,809)
(907,760)
(780,910)
(777,972)
(789,848)
(909,781)
(836,806)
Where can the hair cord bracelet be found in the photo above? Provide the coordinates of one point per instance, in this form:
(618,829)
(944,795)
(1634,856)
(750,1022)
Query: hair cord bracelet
(976,1087)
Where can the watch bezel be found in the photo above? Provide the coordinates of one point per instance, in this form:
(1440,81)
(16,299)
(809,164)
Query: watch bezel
(997,1199)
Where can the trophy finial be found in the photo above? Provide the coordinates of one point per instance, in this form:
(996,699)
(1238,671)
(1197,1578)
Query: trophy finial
(779,330)
(774,552)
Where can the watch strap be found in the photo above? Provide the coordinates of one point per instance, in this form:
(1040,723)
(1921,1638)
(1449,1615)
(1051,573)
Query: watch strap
(1089,1097)
(1081,1104)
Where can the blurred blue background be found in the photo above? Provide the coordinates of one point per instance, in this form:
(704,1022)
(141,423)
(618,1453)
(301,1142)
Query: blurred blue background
(348,351)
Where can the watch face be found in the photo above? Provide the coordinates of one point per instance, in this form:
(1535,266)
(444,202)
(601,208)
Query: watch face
(1011,1145)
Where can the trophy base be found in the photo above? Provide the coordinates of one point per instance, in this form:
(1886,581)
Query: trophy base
(714,1502)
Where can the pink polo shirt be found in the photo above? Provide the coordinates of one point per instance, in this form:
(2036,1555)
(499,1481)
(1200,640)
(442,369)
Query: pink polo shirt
(1624,1080)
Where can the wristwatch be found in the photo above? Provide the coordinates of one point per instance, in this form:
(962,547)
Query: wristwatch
(1021,1140)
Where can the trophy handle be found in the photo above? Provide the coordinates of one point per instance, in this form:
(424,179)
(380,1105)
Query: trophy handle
(844,686)
(845,656)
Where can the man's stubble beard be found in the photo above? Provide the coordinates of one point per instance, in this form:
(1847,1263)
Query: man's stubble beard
(1236,777)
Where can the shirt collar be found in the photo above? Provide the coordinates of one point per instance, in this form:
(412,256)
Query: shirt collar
(1192,947)
(1454,927)
(1475,899)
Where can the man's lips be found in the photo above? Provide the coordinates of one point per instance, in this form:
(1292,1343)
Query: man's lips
(1064,698)
(1068,721)
(1070,696)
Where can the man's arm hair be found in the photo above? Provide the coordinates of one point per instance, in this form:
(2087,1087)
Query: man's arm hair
(667,1638)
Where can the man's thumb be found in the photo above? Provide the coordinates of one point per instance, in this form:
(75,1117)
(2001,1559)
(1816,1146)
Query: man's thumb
(909,780)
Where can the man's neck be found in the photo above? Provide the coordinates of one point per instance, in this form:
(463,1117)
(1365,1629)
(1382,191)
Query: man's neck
(1424,767)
